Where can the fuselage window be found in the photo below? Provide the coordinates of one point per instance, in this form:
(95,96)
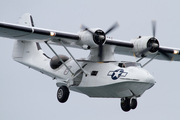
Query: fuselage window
(121,65)
(94,73)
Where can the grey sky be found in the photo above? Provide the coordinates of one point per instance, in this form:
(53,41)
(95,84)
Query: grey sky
(26,94)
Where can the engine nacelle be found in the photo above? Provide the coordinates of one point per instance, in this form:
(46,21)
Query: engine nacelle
(92,38)
(55,62)
(143,43)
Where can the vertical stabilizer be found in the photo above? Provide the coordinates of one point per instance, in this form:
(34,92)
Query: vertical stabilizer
(26,20)
(29,53)
(23,50)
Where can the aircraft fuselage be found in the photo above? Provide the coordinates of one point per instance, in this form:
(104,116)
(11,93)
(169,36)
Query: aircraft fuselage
(102,77)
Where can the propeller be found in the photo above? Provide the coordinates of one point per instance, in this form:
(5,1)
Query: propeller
(99,37)
(154,28)
(153,44)
(115,25)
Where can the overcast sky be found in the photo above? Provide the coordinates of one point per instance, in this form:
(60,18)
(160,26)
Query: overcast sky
(26,94)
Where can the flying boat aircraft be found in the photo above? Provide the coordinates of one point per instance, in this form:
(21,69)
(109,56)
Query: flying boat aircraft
(98,75)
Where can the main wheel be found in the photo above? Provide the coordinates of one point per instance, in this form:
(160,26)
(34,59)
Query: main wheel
(62,94)
(125,104)
(133,103)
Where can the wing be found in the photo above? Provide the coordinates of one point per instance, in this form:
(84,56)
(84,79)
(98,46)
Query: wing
(28,33)
(127,48)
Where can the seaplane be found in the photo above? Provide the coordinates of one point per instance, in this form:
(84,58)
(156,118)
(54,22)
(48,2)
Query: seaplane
(99,75)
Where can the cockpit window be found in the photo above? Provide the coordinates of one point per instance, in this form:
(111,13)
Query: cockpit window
(120,64)
(129,64)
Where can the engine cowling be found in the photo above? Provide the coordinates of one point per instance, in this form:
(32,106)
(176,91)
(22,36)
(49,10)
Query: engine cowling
(145,42)
(92,39)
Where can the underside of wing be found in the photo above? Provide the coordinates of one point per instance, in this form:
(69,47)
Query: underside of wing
(140,49)
(92,39)
(29,33)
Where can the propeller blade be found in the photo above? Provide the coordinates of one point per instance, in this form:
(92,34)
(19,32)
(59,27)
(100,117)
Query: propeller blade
(165,54)
(143,52)
(83,27)
(86,28)
(112,28)
(100,54)
(154,28)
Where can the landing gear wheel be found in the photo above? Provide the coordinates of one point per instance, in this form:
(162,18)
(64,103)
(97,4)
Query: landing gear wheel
(125,104)
(133,103)
(62,94)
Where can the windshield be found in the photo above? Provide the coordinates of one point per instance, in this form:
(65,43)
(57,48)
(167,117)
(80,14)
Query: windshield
(129,64)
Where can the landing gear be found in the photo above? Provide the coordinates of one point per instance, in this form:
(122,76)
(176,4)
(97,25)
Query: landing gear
(62,94)
(128,103)
(133,103)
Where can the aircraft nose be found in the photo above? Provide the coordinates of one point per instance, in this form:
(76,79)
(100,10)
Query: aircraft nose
(145,76)
(150,78)
(142,75)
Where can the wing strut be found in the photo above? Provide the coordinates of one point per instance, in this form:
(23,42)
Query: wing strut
(140,59)
(72,57)
(59,58)
(150,60)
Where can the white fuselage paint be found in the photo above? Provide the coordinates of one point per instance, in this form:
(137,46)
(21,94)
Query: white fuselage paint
(133,81)
(110,80)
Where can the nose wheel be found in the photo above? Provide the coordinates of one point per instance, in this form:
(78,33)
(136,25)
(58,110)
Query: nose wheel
(62,94)
(128,103)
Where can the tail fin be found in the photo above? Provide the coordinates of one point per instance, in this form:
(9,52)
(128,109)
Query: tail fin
(29,53)
(27,20)
(23,50)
